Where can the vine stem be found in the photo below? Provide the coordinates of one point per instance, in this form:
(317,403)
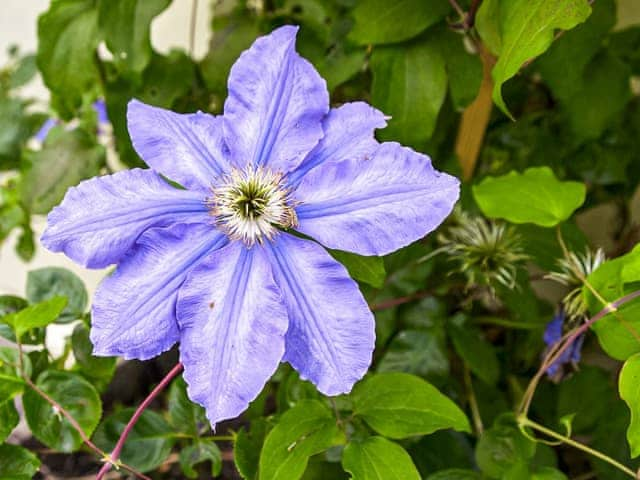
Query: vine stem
(112,459)
(523,421)
(571,337)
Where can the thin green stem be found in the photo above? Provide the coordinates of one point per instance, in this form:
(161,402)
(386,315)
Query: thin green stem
(523,421)
(473,403)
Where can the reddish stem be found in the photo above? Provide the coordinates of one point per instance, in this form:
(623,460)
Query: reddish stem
(115,453)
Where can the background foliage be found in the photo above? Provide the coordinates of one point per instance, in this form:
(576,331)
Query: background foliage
(460,315)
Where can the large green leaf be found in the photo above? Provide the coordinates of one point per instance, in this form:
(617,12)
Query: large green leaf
(364,269)
(11,382)
(98,370)
(201,451)
(478,354)
(377,458)
(629,385)
(9,419)
(125,25)
(184,415)
(305,430)
(34,316)
(247,447)
(455,474)
(76,396)
(17,463)
(67,41)
(409,84)
(420,352)
(147,446)
(381,21)
(44,283)
(527,29)
(399,405)
(534,196)
(66,158)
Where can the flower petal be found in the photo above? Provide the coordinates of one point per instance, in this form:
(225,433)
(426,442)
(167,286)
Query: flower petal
(233,322)
(133,311)
(375,206)
(272,116)
(331,331)
(101,218)
(187,148)
(348,133)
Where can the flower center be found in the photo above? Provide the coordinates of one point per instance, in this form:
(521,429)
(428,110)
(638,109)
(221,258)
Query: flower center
(251,204)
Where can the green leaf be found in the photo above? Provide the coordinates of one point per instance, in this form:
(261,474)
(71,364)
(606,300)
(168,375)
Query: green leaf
(380,21)
(65,160)
(305,430)
(527,29)
(10,304)
(629,385)
(399,405)
(377,458)
(364,269)
(14,130)
(419,352)
(38,315)
(126,26)
(534,196)
(591,385)
(410,85)
(503,447)
(17,463)
(76,396)
(488,25)
(478,354)
(9,419)
(247,447)
(45,283)
(184,415)
(455,474)
(201,451)
(67,41)
(98,370)
(147,446)
(167,78)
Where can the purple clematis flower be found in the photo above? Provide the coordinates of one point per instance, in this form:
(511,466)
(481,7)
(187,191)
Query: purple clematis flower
(553,334)
(214,265)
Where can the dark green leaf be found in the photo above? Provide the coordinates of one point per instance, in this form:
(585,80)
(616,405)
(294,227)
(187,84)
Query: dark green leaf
(167,78)
(44,283)
(380,21)
(9,419)
(591,385)
(126,26)
(247,447)
(67,40)
(65,160)
(9,304)
(455,474)
(527,28)
(409,84)
(201,451)
(478,354)
(305,430)
(629,385)
(399,405)
(17,463)
(377,458)
(14,130)
(534,196)
(444,449)
(364,269)
(147,446)
(184,415)
(76,396)
(98,370)
(34,316)
(418,352)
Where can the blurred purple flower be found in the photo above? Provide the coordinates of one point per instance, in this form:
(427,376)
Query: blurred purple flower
(214,266)
(101,112)
(552,335)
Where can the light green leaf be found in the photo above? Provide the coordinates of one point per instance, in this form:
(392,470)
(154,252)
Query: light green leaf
(364,269)
(247,447)
(377,458)
(455,474)
(65,160)
(44,283)
(67,40)
(410,85)
(629,385)
(488,25)
(147,446)
(399,405)
(76,396)
(17,463)
(125,25)
(534,196)
(478,354)
(34,316)
(9,419)
(381,21)
(201,451)
(305,430)
(527,29)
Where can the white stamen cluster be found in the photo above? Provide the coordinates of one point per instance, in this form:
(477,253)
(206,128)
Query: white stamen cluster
(251,204)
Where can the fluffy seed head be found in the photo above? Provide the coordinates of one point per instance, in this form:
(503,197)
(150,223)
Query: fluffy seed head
(251,204)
